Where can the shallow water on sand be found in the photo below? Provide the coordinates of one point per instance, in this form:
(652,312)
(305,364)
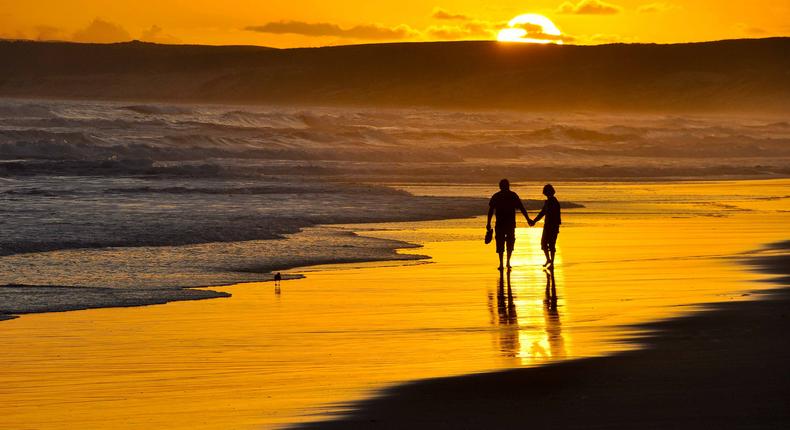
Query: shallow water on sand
(636,253)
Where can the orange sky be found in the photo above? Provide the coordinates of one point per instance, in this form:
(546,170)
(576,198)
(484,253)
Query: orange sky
(291,23)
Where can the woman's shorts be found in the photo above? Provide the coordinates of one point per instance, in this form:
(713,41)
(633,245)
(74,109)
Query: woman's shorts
(548,240)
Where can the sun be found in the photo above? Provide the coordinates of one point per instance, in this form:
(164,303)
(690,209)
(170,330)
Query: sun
(530,28)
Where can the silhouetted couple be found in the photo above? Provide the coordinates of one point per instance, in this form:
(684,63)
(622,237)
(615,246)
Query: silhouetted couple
(504,204)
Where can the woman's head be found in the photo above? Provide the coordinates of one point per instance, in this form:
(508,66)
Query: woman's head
(548,190)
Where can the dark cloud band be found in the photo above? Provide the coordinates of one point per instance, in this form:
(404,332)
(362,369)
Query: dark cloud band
(368,32)
(589,7)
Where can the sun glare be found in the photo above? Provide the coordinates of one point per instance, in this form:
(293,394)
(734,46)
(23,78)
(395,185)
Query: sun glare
(530,28)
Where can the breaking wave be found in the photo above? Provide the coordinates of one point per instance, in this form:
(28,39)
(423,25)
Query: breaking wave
(91,183)
(117,139)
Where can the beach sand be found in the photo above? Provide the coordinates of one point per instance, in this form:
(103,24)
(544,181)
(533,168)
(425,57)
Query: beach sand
(637,253)
(722,368)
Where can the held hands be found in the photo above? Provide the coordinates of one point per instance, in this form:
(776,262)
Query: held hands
(530,222)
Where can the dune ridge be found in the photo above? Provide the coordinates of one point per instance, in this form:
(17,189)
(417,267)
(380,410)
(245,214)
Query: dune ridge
(743,75)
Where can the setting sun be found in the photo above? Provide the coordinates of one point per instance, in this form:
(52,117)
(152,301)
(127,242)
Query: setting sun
(530,28)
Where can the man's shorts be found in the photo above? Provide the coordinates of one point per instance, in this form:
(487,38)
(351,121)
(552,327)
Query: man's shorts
(548,240)
(505,235)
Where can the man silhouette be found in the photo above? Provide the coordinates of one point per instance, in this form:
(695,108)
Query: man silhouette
(504,204)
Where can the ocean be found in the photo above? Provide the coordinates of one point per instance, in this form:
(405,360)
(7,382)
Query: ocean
(142,199)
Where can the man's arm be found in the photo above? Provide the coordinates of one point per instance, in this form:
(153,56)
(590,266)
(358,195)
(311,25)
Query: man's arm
(490,214)
(524,211)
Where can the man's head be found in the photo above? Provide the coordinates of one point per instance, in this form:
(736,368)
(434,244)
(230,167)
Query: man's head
(504,185)
(548,190)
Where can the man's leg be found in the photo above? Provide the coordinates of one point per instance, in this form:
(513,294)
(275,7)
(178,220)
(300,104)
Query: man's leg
(510,242)
(500,238)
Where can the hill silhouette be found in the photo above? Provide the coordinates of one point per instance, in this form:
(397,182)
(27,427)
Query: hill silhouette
(734,75)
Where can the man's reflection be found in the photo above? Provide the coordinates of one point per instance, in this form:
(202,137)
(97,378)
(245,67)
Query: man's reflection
(506,317)
(505,303)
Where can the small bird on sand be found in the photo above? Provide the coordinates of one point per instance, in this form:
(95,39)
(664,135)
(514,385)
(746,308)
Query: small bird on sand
(277,278)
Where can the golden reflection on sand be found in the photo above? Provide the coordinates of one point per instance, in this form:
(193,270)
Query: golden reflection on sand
(522,332)
(261,359)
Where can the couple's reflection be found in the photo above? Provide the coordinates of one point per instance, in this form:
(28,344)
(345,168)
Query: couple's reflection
(514,332)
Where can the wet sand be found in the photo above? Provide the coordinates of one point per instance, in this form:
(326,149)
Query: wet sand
(722,368)
(261,359)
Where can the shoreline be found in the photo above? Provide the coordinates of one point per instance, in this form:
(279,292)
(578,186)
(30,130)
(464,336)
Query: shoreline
(73,298)
(722,366)
(63,298)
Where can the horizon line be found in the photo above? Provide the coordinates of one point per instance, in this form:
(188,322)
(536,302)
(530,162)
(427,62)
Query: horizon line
(410,42)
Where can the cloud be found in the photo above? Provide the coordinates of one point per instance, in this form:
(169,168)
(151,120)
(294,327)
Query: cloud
(750,30)
(470,30)
(589,7)
(598,39)
(454,29)
(46,32)
(364,32)
(17,35)
(446,32)
(100,31)
(439,13)
(534,31)
(656,7)
(156,34)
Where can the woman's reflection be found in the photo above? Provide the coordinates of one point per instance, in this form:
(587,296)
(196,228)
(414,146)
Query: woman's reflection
(551,316)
